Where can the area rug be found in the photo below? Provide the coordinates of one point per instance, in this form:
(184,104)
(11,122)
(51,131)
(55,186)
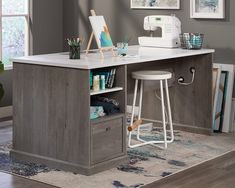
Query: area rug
(18,167)
(146,164)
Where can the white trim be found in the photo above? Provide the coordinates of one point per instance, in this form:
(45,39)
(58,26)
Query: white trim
(15,15)
(27,36)
(8,67)
(6,111)
(220,15)
(164,8)
(27,43)
(26,16)
(0,30)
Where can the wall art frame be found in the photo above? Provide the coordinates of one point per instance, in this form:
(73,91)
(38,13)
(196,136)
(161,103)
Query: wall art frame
(155,4)
(208,9)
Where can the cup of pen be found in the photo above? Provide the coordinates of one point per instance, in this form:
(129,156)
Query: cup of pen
(74,48)
(74,52)
(122,48)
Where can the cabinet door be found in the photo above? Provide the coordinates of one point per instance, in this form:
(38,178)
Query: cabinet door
(107,140)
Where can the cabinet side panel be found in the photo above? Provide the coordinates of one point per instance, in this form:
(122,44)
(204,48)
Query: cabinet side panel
(51,112)
(22,99)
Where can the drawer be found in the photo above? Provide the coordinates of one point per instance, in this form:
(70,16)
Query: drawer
(107,140)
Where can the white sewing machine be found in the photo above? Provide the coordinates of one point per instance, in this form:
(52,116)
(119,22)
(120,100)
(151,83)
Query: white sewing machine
(171,29)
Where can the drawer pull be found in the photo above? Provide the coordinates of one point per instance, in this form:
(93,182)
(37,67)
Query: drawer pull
(108,129)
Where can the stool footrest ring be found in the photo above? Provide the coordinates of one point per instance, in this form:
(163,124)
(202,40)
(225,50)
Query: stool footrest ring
(135,125)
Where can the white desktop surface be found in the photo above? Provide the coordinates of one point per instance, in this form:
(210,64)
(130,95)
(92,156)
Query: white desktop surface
(94,60)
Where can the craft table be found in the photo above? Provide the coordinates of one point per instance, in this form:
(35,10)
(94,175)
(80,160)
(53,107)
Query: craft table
(51,103)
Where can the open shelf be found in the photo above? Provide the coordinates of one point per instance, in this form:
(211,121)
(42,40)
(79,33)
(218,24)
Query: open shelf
(92,93)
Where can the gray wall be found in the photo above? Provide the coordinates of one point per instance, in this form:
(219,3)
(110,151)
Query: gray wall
(46,26)
(219,34)
(46,36)
(55,20)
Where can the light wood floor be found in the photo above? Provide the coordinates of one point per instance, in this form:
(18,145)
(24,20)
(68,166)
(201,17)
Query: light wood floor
(12,181)
(217,173)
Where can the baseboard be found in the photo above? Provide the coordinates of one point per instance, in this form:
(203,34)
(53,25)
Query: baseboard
(68,166)
(192,129)
(6,112)
(177,126)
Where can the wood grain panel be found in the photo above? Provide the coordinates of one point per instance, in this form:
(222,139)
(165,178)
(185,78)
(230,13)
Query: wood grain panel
(107,142)
(52,119)
(51,112)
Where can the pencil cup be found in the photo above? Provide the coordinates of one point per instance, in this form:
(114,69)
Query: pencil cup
(74,52)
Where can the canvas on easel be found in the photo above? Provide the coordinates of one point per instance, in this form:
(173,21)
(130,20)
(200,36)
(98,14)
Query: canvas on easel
(101,34)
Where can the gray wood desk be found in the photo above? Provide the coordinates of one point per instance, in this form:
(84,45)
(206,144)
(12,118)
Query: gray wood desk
(51,100)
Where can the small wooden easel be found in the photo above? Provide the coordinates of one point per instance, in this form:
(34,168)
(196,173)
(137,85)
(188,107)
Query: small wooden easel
(100,49)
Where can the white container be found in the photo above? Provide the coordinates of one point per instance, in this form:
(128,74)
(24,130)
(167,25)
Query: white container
(96,83)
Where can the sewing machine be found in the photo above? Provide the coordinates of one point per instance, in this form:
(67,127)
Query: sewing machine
(170,27)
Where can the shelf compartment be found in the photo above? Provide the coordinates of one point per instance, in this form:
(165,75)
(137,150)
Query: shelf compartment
(114,89)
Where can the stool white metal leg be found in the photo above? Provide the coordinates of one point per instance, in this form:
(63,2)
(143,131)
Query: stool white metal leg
(140,107)
(133,110)
(142,76)
(169,111)
(163,114)
(134,101)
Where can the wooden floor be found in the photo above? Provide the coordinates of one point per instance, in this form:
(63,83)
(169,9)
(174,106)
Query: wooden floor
(12,181)
(217,173)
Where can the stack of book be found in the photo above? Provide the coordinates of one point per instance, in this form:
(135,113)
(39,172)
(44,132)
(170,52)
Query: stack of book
(109,80)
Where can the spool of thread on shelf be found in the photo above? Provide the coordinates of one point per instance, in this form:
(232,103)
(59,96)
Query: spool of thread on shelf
(102,82)
(96,83)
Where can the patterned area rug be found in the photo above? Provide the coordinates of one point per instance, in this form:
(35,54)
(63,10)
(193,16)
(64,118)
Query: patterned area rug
(18,167)
(146,164)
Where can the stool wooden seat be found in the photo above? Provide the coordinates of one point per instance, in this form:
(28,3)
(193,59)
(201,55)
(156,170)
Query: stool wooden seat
(142,76)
